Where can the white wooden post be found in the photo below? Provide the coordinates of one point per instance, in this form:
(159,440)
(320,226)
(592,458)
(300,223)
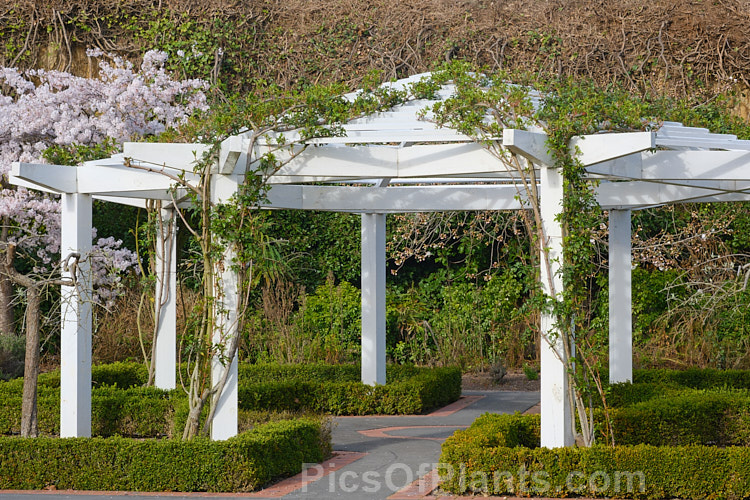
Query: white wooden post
(373,299)
(166,303)
(224,424)
(555,406)
(75,343)
(620,298)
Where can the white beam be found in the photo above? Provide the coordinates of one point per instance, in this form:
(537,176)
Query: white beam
(103,179)
(224,424)
(639,194)
(229,153)
(556,412)
(373,299)
(52,178)
(132,202)
(172,155)
(531,145)
(387,161)
(620,298)
(597,148)
(76,316)
(394,199)
(165,302)
(681,165)
(354,136)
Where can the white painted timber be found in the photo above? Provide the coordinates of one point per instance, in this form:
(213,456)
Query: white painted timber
(531,145)
(76,318)
(132,202)
(52,178)
(399,146)
(556,413)
(393,136)
(223,187)
(394,199)
(104,179)
(638,194)
(373,299)
(165,303)
(661,166)
(223,367)
(136,198)
(392,162)
(597,148)
(177,156)
(229,153)
(620,298)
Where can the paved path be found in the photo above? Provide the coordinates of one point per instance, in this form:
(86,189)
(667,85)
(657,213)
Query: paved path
(374,457)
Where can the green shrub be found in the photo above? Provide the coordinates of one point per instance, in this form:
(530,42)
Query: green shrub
(333,312)
(316,372)
(12,355)
(531,372)
(664,407)
(627,394)
(335,389)
(695,417)
(243,463)
(499,455)
(697,378)
(124,408)
(121,374)
(136,412)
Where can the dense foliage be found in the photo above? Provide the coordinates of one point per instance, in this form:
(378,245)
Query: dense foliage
(122,406)
(673,441)
(243,463)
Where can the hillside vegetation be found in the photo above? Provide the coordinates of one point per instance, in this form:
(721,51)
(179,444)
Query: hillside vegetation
(678,48)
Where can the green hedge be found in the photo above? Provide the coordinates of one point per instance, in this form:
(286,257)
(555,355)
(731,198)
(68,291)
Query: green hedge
(243,463)
(708,417)
(134,412)
(493,457)
(696,378)
(126,409)
(335,389)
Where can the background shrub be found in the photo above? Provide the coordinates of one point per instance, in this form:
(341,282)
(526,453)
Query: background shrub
(12,354)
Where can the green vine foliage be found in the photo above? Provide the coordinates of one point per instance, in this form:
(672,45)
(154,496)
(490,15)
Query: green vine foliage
(235,225)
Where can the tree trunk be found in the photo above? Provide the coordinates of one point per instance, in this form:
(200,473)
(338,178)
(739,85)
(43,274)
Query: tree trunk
(7,318)
(31,364)
(192,426)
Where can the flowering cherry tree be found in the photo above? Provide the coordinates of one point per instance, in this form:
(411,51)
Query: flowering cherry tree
(41,109)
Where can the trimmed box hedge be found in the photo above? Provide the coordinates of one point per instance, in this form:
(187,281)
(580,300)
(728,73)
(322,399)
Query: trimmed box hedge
(242,463)
(678,434)
(493,457)
(133,412)
(121,407)
(336,390)
(719,417)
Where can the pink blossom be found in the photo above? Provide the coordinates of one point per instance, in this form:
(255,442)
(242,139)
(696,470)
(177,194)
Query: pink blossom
(42,108)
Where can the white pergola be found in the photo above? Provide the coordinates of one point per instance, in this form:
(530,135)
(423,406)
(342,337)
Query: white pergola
(392,162)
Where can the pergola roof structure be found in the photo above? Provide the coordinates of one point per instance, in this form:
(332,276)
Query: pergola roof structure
(394,162)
